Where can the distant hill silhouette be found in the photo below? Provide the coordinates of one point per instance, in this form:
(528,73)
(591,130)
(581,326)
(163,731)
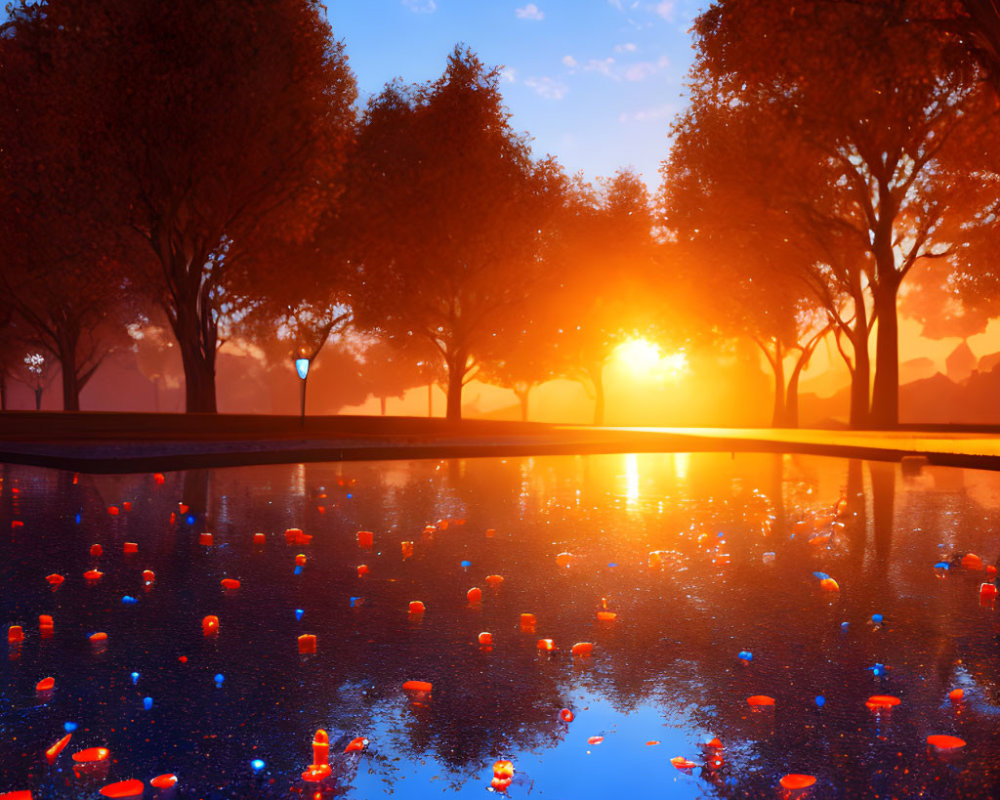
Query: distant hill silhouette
(933,400)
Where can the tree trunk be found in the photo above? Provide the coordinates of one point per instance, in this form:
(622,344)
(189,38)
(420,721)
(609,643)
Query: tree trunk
(457,366)
(3,391)
(198,358)
(861,379)
(792,398)
(778,416)
(522,398)
(597,378)
(381,402)
(70,379)
(38,397)
(885,392)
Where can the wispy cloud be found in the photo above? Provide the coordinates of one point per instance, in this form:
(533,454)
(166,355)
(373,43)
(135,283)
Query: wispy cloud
(421,6)
(569,61)
(627,47)
(549,88)
(647,114)
(643,69)
(530,11)
(509,74)
(602,66)
(665,9)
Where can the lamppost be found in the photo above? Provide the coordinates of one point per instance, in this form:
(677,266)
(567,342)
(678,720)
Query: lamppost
(302,364)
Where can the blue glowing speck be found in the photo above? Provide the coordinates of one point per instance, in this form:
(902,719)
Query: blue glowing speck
(219,678)
(147,703)
(355,602)
(135,677)
(822,576)
(466,564)
(820,701)
(349,495)
(129,600)
(69,727)
(298,613)
(942,565)
(844,625)
(78,517)
(746,655)
(298,569)
(877,619)
(612,564)
(190,519)
(878,669)
(257,765)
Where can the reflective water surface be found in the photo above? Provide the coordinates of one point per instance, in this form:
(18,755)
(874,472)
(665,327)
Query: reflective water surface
(735,544)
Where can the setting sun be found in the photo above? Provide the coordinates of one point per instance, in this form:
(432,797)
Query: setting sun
(645,358)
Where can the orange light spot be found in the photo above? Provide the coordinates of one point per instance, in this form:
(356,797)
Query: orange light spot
(797,781)
(129,548)
(474,596)
(485,639)
(547,645)
(93,575)
(230,583)
(96,550)
(956,695)
(417,607)
(53,752)
(881,701)
(972,561)
(943,742)
(55,579)
(566,715)
(421,687)
(129,788)
(91,755)
(45,685)
(564,559)
(164,781)
(15,633)
(829,585)
(606,616)
(307,643)
(760,701)
(356,745)
(595,739)
(494,581)
(582,649)
(682,763)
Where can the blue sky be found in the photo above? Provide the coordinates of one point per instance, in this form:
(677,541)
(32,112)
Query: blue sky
(594,82)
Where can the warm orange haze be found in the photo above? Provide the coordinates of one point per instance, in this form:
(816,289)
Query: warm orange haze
(206,195)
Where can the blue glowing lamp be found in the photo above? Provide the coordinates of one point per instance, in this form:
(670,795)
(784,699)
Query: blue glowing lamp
(302,367)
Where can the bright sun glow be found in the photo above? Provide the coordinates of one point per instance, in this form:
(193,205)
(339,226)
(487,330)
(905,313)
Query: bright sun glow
(644,358)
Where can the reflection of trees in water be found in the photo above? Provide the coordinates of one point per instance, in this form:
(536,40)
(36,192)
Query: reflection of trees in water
(674,644)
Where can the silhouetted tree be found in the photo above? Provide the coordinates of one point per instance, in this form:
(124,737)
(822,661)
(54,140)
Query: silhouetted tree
(754,267)
(221,129)
(876,102)
(61,269)
(390,370)
(450,210)
(607,295)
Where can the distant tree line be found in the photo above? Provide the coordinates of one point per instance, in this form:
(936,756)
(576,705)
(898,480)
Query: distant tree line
(204,168)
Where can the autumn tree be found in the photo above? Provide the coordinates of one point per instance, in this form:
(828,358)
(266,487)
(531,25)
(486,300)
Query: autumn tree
(613,282)
(449,210)
(876,102)
(222,127)
(62,270)
(754,267)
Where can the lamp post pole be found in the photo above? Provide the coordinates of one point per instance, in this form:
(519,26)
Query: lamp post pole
(302,368)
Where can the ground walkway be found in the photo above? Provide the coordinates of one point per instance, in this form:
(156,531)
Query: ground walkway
(132,442)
